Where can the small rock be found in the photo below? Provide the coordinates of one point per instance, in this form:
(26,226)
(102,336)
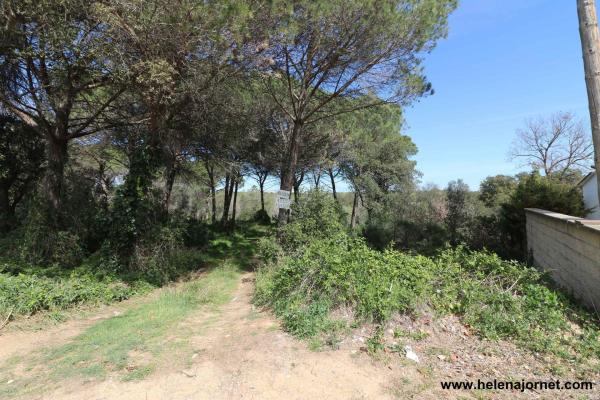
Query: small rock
(480,357)
(188,373)
(10,381)
(194,355)
(441,357)
(410,354)
(116,313)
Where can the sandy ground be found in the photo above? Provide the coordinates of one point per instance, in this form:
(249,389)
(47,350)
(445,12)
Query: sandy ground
(240,353)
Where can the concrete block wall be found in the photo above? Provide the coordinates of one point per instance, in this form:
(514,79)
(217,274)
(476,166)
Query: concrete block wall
(569,249)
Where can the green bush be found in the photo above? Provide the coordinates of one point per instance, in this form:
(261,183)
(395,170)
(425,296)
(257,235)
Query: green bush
(262,217)
(498,299)
(535,191)
(162,257)
(344,271)
(316,216)
(28,293)
(196,233)
(268,250)
(40,245)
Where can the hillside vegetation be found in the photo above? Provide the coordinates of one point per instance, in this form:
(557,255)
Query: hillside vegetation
(321,281)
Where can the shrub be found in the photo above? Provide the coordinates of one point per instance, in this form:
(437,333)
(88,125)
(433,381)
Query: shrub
(535,191)
(41,245)
(262,217)
(196,233)
(158,259)
(34,291)
(343,271)
(317,215)
(268,250)
(498,299)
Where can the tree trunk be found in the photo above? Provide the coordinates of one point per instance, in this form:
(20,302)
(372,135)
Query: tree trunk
(332,183)
(288,169)
(297,184)
(590,46)
(169,182)
(213,191)
(55,172)
(354,206)
(261,184)
(213,195)
(5,209)
(317,177)
(226,200)
(235,193)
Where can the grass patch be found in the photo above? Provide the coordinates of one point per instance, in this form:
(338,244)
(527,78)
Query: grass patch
(106,348)
(132,345)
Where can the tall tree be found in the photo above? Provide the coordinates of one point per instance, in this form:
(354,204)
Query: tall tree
(376,158)
(327,51)
(56,76)
(590,47)
(458,216)
(496,190)
(21,157)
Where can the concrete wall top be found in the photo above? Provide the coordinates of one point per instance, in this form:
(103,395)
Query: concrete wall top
(591,224)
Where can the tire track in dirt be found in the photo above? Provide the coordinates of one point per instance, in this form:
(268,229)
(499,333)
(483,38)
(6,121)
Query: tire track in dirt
(239,352)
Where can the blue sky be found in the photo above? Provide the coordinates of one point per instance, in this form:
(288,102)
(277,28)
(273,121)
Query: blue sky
(503,61)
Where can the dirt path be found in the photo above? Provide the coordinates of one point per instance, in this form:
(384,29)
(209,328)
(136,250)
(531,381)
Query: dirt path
(244,355)
(34,333)
(239,352)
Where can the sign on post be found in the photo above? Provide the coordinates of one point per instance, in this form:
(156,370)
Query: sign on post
(283,199)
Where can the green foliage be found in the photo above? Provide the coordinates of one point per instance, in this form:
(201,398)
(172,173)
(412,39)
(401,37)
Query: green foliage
(21,156)
(268,250)
(35,289)
(316,216)
(376,159)
(40,245)
(496,190)
(412,221)
(498,299)
(135,209)
(195,233)
(346,272)
(535,191)
(460,214)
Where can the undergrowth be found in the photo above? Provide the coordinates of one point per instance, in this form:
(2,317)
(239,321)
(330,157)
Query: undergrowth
(27,289)
(497,299)
(111,346)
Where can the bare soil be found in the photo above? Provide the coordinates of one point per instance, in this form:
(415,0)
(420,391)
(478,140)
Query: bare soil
(240,352)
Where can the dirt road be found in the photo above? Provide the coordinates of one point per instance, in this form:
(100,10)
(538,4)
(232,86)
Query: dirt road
(239,352)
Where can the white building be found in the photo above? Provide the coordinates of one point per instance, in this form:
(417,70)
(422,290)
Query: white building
(589,186)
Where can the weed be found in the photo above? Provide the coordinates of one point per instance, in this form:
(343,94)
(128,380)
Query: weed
(497,299)
(420,335)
